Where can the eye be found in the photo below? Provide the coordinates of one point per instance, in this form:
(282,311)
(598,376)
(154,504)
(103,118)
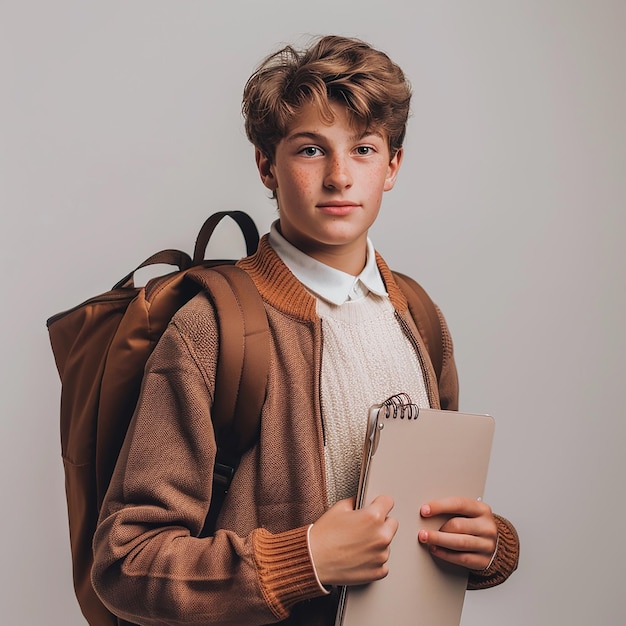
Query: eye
(364,150)
(310,151)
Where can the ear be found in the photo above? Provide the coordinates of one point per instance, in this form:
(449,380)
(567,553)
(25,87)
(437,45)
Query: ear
(266,169)
(393,169)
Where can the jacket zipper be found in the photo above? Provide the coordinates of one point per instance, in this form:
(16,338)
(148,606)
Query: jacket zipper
(319,383)
(434,401)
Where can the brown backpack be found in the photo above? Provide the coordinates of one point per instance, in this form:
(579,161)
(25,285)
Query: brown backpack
(100,349)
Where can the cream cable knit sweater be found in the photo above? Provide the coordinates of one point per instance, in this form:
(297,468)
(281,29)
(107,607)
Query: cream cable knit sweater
(360,367)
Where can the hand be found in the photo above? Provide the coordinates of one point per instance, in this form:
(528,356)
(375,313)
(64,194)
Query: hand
(351,547)
(468,538)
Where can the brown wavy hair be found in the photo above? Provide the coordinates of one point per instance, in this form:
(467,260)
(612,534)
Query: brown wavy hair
(373,88)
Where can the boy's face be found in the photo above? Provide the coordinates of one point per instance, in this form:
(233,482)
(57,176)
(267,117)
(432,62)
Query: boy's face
(329,180)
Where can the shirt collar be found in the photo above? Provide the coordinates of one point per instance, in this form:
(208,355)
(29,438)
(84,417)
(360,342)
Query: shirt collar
(324,281)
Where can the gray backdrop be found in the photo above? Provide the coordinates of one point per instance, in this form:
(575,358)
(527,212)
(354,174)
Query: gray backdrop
(121,131)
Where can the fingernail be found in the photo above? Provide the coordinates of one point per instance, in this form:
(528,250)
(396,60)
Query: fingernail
(422,535)
(425,510)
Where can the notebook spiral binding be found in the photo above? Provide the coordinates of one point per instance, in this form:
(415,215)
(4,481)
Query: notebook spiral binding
(401,407)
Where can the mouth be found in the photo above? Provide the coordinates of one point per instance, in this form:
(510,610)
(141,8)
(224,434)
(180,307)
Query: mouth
(337,207)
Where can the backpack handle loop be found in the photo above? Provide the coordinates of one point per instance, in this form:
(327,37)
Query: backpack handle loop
(243,220)
(176,258)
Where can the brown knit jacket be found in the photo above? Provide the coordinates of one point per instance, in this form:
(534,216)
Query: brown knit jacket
(150,566)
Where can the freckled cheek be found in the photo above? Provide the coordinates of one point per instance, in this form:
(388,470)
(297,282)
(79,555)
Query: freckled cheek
(300,182)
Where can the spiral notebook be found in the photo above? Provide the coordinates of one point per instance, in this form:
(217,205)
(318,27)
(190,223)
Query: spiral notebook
(416,455)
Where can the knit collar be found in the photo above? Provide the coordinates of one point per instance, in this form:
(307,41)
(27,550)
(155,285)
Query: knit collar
(282,290)
(328,283)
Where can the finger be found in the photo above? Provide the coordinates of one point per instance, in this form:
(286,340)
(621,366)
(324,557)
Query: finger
(470,560)
(378,513)
(347,504)
(483,526)
(458,542)
(454,505)
(382,503)
(475,559)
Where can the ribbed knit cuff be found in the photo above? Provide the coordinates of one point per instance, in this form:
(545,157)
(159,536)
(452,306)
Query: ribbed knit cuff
(505,559)
(285,569)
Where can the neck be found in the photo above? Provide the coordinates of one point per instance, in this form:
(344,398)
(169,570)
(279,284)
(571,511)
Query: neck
(346,257)
(350,262)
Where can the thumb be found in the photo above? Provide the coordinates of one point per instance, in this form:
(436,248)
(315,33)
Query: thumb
(383,504)
(347,504)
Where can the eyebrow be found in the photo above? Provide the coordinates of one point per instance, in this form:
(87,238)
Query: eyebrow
(319,137)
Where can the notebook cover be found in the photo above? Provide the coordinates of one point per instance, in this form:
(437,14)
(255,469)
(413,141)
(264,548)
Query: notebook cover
(417,455)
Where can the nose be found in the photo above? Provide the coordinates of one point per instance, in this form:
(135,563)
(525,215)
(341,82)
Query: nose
(338,175)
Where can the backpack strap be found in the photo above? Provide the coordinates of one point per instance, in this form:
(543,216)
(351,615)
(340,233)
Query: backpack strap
(426,318)
(242,370)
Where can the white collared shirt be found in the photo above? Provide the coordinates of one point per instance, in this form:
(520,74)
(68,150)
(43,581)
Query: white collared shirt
(324,281)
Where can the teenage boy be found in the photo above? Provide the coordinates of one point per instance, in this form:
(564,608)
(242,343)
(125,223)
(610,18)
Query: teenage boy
(327,124)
